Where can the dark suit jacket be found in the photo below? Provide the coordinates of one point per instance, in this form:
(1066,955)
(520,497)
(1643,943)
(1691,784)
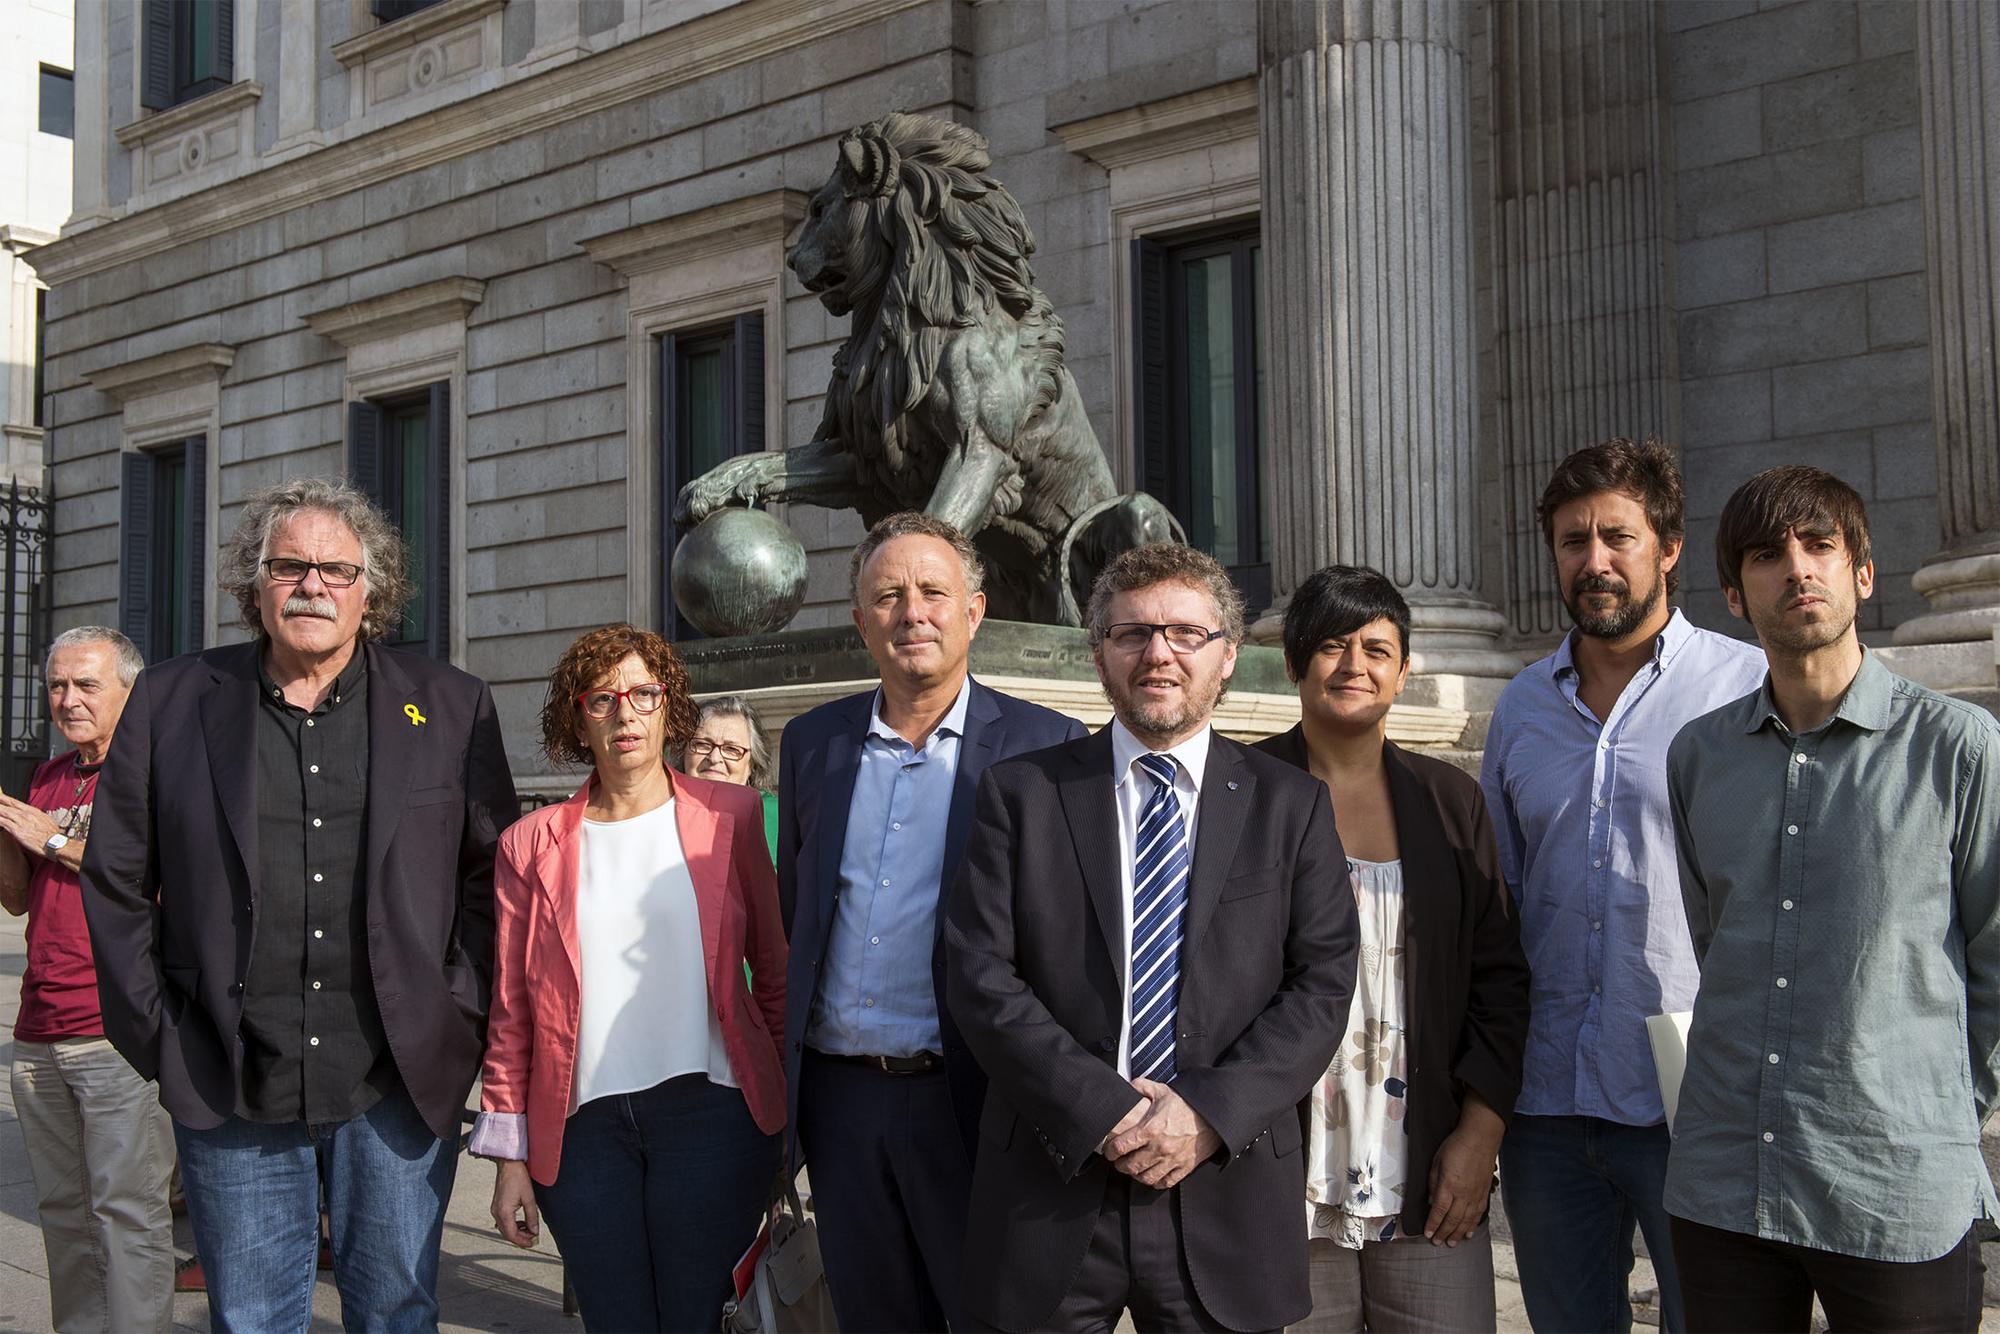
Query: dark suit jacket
(170,874)
(1465,978)
(817,761)
(1036,940)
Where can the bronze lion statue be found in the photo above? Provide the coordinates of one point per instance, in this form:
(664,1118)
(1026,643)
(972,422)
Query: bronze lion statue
(950,395)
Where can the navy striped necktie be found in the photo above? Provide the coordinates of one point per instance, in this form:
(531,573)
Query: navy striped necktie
(1159,904)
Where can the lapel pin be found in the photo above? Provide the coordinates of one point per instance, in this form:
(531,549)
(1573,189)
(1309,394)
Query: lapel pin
(1232,785)
(416,718)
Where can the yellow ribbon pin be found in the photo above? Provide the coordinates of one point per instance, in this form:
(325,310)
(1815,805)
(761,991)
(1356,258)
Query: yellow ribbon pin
(416,719)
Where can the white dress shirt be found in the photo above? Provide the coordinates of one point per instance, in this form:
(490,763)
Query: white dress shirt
(1132,787)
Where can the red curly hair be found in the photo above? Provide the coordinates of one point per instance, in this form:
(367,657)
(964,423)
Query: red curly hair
(594,656)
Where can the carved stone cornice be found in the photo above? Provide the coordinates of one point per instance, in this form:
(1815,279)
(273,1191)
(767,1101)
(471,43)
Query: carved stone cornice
(415,28)
(717,229)
(200,364)
(644,67)
(1222,114)
(446,301)
(19,238)
(216,105)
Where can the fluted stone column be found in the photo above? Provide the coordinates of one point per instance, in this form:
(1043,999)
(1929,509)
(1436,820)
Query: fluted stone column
(1958,62)
(1365,136)
(1582,322)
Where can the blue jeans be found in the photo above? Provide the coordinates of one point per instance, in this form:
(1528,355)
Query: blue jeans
(253,1197)
(1573,1187)
(657,1196)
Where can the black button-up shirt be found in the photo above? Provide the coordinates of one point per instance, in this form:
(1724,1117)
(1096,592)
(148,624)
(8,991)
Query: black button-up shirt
(313,1044)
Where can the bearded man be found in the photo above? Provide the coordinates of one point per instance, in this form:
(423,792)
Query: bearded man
(1575,776)
(1150,955)
(289,886)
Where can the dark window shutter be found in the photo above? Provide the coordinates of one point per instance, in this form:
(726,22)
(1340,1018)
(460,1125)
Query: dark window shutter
(156,54)
(749,343)
(1152,325)
(670,468)
(388,11)
(364,449)
(195,523)
(225,41)
(135,576)
(437,557)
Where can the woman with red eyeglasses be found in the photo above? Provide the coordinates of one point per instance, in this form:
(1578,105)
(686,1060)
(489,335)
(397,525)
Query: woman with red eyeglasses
(633,1091)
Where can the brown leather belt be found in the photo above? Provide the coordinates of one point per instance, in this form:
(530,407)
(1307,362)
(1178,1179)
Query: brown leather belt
(922,1063)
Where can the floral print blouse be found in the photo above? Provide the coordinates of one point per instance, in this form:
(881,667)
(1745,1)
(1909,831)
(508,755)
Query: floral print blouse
(1358,1156)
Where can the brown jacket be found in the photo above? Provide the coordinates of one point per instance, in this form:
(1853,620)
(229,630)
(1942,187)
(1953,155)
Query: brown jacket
(1466,976)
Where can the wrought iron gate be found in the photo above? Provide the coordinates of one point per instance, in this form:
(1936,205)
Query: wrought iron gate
(25,521)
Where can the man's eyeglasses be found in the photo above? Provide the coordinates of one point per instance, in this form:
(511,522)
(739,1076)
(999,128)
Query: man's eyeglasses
(701,748)
(1137,636)
(332,573)
(646,698)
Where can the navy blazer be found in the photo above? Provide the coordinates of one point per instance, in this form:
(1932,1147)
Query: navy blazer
(170,874)
(817,761)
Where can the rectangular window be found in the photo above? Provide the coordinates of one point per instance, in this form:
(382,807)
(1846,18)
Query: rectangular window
(398,453)
(711,409)
(1200,368)
(388,11)
(58,114)
(163,558)
(189,50)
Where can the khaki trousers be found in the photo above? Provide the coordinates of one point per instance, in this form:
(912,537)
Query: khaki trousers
(101,1148)
(1408,1286)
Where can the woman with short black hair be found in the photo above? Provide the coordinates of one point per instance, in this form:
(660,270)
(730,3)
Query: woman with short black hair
(1403,1131)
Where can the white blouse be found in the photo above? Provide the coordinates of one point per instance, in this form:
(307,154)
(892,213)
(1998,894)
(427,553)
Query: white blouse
(1358,1157)
(646,1015)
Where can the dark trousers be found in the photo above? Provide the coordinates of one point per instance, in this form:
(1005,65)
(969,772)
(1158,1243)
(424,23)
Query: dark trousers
(657,1196)
(1732,1281)
(1574,1187)
(890,1186)
(1135,1262)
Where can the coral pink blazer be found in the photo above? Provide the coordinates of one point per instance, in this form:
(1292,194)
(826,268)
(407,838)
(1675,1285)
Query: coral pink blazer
(531,1031)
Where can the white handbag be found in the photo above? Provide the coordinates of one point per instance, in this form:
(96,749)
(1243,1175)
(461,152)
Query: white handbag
(784,1291)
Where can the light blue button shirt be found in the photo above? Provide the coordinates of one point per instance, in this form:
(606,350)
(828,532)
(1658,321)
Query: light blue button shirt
(876,996)
(1586,843)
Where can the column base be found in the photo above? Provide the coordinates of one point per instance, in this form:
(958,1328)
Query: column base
(1964,593)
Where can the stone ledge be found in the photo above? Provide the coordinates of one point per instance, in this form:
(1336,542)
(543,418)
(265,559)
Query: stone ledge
(405,32)
(1217,115)
(204,363)
(715,230)
(446,301)
(217,105)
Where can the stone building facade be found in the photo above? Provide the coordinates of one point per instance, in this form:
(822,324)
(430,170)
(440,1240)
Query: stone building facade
(1340,279)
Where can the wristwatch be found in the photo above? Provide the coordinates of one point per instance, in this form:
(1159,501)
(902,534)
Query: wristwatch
(56,843)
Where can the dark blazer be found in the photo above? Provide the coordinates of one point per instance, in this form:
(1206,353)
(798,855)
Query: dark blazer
(170,874)
(1465,977)
(817,761)
(1036,939)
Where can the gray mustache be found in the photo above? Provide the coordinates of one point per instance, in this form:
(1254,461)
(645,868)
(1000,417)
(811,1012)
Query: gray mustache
(298,604)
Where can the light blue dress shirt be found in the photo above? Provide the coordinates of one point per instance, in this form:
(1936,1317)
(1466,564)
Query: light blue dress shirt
(876,996)
(1586,843)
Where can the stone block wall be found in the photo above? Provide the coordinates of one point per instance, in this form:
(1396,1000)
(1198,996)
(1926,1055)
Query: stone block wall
(1799,272)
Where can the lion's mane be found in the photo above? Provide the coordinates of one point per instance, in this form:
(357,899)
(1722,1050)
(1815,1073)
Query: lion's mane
(944,244)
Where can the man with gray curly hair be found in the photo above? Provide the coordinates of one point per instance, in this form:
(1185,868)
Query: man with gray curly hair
(290,893)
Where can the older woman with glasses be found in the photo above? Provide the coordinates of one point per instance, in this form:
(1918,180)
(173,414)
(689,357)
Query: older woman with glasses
(728,746)
(633,1089)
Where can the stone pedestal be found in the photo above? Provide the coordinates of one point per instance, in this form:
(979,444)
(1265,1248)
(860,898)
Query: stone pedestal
(787,673)
(1958,61)
(1366,141)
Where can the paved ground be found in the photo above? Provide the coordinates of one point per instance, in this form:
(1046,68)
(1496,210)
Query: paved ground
(484,1284)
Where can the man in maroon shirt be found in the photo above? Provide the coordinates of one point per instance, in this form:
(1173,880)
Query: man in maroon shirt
(100,1145)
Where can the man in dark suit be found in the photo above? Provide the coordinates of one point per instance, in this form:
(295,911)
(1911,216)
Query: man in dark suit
(290,894)
(1151,953)
(875,799)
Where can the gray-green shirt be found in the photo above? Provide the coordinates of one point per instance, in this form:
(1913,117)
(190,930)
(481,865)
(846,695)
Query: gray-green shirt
(1843,890)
